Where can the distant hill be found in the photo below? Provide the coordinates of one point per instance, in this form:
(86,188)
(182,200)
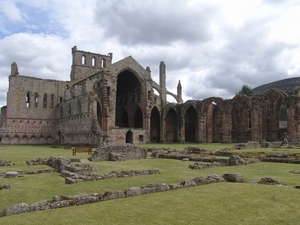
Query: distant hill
(286,85)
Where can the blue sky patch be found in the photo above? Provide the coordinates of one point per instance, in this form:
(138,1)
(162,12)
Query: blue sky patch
(35,21)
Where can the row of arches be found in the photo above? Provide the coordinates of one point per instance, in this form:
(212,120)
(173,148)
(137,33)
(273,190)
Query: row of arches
(240,119)
(26,139)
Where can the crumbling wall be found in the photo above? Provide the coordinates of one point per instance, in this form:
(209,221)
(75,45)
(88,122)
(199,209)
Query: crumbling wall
(118,153)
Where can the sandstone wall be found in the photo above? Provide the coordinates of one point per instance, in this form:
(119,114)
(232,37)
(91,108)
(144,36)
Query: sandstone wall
(118,153)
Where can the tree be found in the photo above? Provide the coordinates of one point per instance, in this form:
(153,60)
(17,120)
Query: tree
(283,113)
(246,90)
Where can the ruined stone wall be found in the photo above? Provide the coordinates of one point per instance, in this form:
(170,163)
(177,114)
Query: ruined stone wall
(30,111)
(87,63)
(118,153)
(117,100)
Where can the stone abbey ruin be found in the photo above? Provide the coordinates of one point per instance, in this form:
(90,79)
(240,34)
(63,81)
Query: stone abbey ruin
(106,102)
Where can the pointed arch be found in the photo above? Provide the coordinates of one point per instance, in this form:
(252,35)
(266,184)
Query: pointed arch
(138,118)
(103,62)
(129,137)
(272,100)
(240,108)
(51,101)
(171,124)
(16,139)
(45,101)
(27,100)
(36,97)
(128,111)
(83,60)
(93,61)
(24,139)
(155,125)
(190,124)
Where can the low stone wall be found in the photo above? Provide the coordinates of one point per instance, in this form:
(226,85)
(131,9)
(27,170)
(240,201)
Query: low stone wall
(6,163)
(73,178)
(21,173)
(118,153)
(200,166)
(81,199)
(282,158)
(38,161)
(6,186)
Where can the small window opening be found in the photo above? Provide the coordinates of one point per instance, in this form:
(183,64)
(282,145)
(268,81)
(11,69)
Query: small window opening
(103,63)
(36,100)
(93,61)
(83,60)
(45,101)
(141,138)
(52,101)
(27,100)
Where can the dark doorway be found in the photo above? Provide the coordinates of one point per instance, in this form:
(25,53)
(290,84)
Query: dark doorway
(191,123)
(138,119)
(129,137)
(155,126)
(171,126)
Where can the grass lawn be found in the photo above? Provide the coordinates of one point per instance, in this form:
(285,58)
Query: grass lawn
(219,203)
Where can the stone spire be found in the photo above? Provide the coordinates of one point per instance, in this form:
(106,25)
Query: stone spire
(179,92)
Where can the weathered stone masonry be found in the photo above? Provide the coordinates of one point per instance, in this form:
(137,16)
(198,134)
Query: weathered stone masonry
(106,102)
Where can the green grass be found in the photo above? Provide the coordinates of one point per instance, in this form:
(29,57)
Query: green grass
(221,203)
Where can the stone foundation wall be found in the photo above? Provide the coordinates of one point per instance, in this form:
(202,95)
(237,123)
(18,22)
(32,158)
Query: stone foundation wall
(118,153)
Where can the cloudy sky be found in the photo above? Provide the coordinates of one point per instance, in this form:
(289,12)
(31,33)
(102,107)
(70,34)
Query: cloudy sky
(213,47)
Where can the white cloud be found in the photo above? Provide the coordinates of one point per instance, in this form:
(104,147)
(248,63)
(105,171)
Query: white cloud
(11,12)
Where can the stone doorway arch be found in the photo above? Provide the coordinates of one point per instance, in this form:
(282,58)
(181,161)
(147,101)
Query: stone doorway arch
(129,137)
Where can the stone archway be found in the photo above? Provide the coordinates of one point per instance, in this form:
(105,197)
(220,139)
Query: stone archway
(171,126)
(128,99)
(190,126)
(155,125)
(129,137)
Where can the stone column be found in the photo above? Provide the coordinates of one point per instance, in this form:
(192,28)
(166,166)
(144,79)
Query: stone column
(256,130)
(146,127)
(202,129)
(227,127)
(291,128)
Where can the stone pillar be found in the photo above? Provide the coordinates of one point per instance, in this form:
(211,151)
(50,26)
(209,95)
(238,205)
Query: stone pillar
(291,123)
(202,129)
(162,83)
(296,115)
(163,130)
(227,127)
(182,130)
(256,130)
(146,127)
